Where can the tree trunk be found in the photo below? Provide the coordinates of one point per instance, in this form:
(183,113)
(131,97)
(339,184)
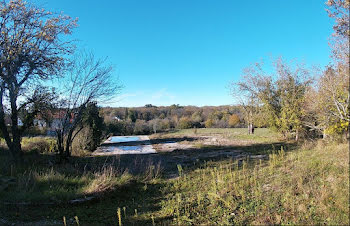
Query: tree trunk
(15,148)
(297,135)
(60,143)
(70,137)
(5,133)
(250,122)
(69,141)
(345,136)
(4,129)
(16,138)
(324,134)
(250,128)
(67,150)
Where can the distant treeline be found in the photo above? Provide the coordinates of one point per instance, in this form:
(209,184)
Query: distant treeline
(153,119)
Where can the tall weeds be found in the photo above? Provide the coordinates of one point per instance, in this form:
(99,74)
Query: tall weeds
(308,186)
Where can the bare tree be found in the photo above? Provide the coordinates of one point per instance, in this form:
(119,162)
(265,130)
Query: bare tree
(247,91)
(30,51)
(88,80)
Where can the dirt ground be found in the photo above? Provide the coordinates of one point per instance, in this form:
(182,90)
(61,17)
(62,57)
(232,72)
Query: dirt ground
(187,151)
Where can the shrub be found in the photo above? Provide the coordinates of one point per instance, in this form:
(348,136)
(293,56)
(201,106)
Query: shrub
(120,128)
(233,120)
(184,123)
(154,125)
(221,124)
(209,123)
(141,127)
(39,144)
(165,124)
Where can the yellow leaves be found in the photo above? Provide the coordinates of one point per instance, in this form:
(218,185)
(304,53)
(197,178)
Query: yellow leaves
(234,120)
(338,127)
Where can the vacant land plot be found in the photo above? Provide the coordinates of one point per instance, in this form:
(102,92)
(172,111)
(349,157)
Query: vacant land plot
(258,179)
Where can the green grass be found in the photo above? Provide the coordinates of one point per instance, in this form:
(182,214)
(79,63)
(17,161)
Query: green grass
(240,134)
(304,184)
(39,144)
(55,184)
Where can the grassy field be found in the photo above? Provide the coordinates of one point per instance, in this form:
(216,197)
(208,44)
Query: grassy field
(307,186)
(260,135)
(306,183)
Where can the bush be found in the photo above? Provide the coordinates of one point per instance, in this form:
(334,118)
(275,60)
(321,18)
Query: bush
(184,123)
(141,127)
(154,125)
(221,124)
(121,128)
(39,144)
(209,123)
(233,120)
(165,124)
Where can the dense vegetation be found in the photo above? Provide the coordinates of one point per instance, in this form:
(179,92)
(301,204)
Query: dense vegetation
(153,119)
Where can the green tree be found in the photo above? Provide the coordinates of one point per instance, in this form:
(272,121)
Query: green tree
(94,125)
(291,97)
(285,98)
(132,115)
(196,119)
(209,123)
(278,97)
(184,123)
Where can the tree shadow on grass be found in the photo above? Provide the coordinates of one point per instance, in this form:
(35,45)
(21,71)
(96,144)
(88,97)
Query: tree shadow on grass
(135,200)
(197,157)
(144,196)
(191,158)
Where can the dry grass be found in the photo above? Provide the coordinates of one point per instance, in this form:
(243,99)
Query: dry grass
(107,179)
(61,185)
(309,186)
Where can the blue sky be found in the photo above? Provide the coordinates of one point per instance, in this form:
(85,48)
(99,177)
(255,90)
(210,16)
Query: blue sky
(187,52)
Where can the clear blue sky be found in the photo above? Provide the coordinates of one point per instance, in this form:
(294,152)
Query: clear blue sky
(188,51)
